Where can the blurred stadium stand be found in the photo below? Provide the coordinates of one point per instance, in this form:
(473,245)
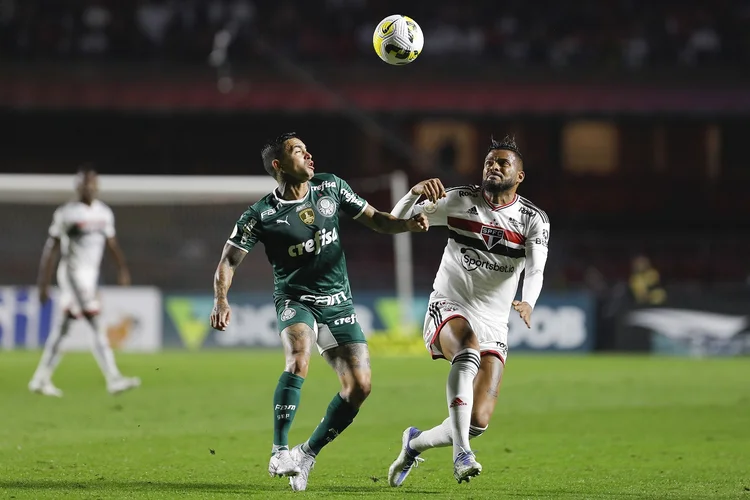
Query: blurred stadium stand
(583,34)
(633,116)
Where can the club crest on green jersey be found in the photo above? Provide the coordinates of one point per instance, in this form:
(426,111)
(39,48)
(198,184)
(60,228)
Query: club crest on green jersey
(307,216)
(326,206)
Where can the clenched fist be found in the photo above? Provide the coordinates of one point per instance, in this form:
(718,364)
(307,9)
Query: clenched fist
(432,189)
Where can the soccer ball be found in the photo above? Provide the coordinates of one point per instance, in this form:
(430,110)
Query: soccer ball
(398,39)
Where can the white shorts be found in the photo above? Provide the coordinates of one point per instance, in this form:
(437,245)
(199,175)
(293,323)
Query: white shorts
(78,291)
(493,339)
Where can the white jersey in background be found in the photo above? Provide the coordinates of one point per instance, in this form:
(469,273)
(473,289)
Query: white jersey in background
(488,248)
(83,231)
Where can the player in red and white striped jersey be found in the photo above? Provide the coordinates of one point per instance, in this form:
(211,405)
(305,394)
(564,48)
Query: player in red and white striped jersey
(79,232)
(494,235)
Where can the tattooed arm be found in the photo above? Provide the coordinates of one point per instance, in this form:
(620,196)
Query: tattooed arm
(231,257)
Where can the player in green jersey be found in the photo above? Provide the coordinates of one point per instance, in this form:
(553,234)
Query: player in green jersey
(299,226)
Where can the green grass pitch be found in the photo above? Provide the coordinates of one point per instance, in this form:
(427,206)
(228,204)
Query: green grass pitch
(200,427)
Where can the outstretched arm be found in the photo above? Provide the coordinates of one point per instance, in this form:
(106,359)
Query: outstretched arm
(383,222)
(123,275)
(49,257)
(231,257)
(432,189)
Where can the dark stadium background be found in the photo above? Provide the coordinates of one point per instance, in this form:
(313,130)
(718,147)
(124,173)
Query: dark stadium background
(633,117)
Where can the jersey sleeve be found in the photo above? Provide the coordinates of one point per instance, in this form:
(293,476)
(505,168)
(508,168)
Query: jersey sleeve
(436,213)
(538,235)
(246,231)
(537,243)
(109,228)
(350,202)
(57,228)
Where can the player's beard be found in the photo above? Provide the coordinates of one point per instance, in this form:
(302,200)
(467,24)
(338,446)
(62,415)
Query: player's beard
(495,187)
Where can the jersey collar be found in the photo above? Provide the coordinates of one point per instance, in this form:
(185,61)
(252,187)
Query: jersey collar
(279,199)
(498,207)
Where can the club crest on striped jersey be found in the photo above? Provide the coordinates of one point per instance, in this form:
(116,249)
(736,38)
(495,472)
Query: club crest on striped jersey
(492,236)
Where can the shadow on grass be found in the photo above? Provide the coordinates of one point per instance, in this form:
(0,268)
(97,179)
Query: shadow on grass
(134,488)
(105,485)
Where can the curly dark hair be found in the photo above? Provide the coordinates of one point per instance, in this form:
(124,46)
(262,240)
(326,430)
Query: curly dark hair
(272,150)
(508,143)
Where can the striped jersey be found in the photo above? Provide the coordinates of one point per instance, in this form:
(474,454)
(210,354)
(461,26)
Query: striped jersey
(83,231)
(487,248)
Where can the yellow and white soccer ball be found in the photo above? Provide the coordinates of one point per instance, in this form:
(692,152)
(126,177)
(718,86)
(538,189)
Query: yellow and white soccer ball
(398,40)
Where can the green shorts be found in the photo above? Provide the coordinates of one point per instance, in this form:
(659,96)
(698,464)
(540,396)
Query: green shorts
(333,325)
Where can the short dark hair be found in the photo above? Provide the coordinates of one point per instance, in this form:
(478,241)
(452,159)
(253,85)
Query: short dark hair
(272,150)
(86,169)
(508,143)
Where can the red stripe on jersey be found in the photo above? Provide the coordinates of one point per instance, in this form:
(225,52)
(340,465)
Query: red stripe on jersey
(476,227)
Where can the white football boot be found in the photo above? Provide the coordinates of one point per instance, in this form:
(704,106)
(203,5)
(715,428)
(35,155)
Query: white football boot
(407,459)
(306,463)
(466,466)
(122,384)
(45,387)
(281,464)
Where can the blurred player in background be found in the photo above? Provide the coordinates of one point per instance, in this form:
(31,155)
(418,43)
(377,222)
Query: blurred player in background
(494,235)
(79,231)
(299,226)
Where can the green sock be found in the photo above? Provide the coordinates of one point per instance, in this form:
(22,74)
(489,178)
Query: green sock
(285,404)
(338,417)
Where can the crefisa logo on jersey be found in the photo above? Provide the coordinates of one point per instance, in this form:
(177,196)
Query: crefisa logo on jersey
(323,185)
(315,244)
(326,206)
(352,198)
(492,236)
(247,230)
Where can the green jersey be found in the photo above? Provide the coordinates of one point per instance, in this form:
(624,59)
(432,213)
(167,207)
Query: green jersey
(302,240)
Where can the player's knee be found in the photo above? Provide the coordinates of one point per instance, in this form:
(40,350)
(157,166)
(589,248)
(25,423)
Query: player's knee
(357,391)
(297,365)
